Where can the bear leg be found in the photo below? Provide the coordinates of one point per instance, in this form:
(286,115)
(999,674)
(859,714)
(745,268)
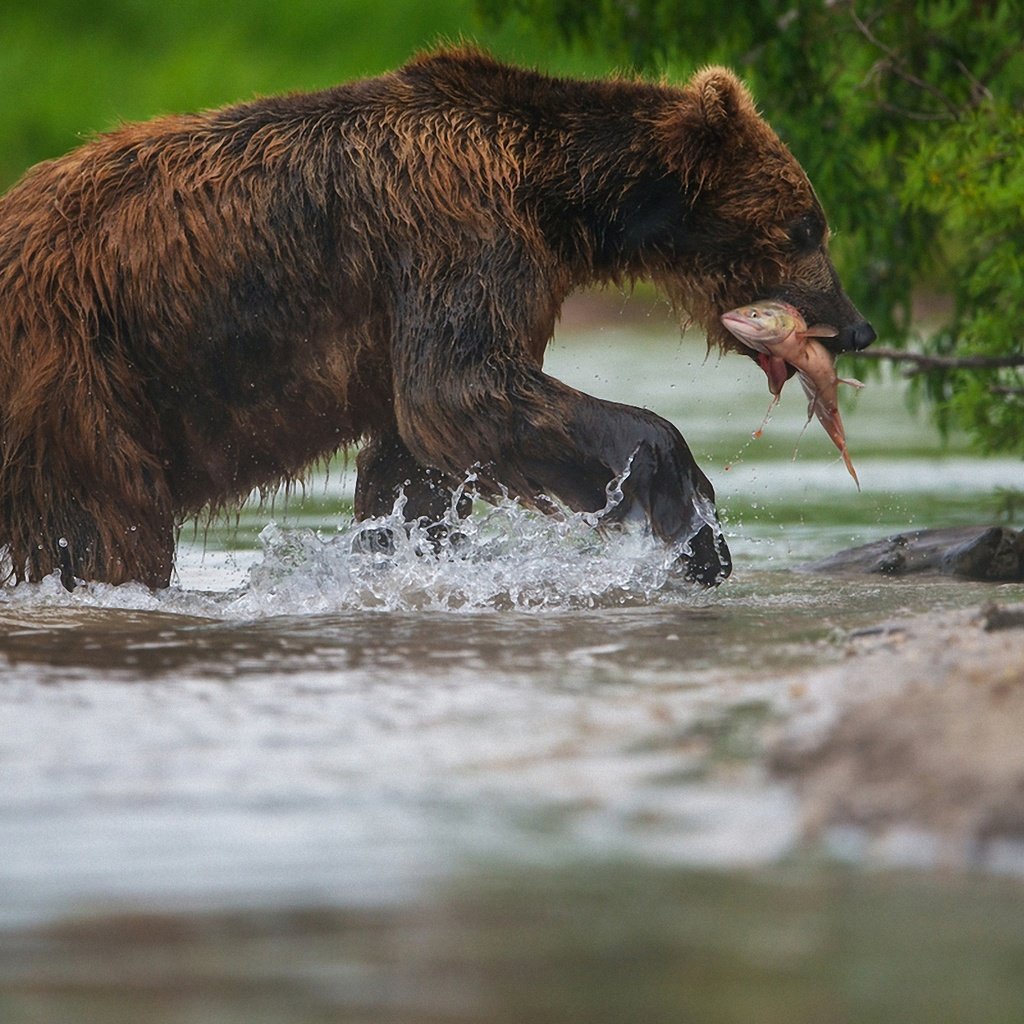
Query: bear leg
(385,469)
(107,549)
(549,440)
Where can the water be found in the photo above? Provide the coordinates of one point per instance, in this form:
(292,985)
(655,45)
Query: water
(518,781)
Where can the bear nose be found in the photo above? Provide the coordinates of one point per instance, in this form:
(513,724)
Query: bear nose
(856,336)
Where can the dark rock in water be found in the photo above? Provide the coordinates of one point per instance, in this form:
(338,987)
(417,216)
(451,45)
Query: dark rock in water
(971,552)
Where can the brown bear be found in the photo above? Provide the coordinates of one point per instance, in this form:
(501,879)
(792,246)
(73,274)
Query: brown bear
(201,305)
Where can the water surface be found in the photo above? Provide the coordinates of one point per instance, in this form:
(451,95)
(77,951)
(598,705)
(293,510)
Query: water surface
(519,781)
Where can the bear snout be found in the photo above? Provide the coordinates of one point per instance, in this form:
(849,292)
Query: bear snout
(855,337)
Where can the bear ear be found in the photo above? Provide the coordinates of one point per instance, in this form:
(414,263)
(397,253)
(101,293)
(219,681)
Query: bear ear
(721,98)
(714,108)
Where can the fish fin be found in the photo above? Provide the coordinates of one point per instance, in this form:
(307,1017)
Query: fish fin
(777,371)
(852,381)
(800,437)
(849,465)
(819,331)
(767,416)
(810,391)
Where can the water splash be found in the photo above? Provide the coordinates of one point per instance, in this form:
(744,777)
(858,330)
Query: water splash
(504,557)
(507,557)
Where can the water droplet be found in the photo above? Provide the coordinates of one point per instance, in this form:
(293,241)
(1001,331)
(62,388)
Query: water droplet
(62,543)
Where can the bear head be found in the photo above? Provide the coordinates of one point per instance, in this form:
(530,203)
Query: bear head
(746,223)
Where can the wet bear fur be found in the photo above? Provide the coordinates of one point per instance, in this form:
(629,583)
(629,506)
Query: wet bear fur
(201,305)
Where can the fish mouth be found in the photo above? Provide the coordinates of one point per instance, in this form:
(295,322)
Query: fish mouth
(732,318)
(743,330)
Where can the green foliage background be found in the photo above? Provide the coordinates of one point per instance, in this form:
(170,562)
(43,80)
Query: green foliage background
(908,115)
(69,68)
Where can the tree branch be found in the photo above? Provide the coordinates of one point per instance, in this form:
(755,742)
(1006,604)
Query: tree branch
(895,63)
(897,66)
(921,362)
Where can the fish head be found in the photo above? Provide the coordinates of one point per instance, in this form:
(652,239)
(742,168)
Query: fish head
(761,325)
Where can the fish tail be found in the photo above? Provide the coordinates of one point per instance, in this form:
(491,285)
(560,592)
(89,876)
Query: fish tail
(849,465)
(833,424)
(829,418)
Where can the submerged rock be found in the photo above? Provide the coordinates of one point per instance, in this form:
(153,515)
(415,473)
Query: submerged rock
(970,552)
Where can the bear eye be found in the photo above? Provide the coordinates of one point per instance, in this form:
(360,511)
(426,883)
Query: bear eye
(807,232)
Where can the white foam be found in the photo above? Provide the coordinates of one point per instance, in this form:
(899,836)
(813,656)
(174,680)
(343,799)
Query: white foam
(506,557)
(502,557)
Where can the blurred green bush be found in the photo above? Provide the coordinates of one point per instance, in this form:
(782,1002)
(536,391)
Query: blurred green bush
(69,69)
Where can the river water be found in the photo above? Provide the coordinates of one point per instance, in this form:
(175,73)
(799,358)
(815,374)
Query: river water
(517,782)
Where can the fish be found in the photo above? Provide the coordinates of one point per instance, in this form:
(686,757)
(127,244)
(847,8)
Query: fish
(784,343)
